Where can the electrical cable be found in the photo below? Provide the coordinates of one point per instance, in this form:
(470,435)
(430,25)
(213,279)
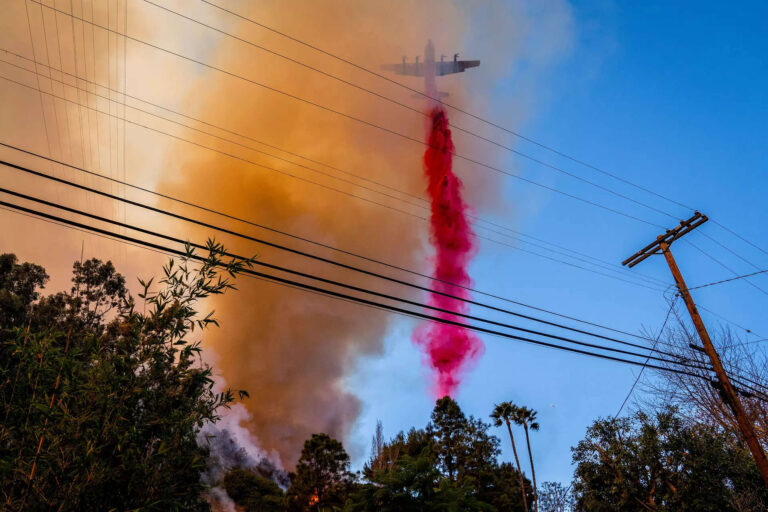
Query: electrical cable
(251,148)
(729,269)
(257,164)
(416,110)
(301,253)
(727,280)
(326,246)
(332,293)
(474,116)
(364,122)
(640,373)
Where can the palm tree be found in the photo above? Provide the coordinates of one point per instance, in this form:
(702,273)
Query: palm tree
(506,412)
(527,418)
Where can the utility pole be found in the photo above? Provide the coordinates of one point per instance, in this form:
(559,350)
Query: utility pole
(729,395)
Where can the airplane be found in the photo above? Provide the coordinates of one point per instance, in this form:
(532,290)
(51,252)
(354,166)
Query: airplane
(429,65)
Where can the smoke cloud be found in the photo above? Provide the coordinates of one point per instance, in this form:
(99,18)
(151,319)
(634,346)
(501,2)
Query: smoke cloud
(291,350)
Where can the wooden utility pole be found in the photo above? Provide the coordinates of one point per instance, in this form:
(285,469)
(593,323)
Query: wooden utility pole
(729,395)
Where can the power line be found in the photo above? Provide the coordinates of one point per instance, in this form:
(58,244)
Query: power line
(293,251)
(408,107)
(728,280)
(451,314)
(463,111)
(729,269)
(715,241)
(332,293)
(419,198)
(251,162)
(653,348)
(684,362)
(740,237)
(368,123)
(748,331)
(326,246)
(439,100)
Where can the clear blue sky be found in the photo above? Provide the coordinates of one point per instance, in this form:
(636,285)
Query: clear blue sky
(669,95)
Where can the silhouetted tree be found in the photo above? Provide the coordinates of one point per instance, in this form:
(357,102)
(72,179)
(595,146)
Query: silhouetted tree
(252,492)
(527,419)
(450,465)
(322,480)
(505,413)
(662,463)
(100,402)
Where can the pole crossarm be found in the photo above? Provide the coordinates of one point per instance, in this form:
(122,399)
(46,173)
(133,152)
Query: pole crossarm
(685,226)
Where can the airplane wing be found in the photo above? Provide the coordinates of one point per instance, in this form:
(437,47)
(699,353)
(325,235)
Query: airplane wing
(406,68)
(441,68)
(456,66)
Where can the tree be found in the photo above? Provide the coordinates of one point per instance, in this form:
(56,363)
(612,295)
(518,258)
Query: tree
(450,465)
(252,492)
(414,484)
(19,288)
(101,403)
(553,497)
(527,418)
(694,395)
(504,413)
(322,480)
(663,463)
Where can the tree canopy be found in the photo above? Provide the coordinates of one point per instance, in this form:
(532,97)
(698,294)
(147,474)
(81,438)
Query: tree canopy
(451,464)
(663,463)
(103,397)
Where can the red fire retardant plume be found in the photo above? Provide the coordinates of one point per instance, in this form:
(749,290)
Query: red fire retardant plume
(449,348)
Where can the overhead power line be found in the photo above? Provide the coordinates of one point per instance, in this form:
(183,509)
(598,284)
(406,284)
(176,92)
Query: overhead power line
(423,204)
(323,245)
(726,267)
(640,373)
(325,291)
(442,101)
(395,132)
(347,297)
(681,361)
(728,280)
(416,110)
(327,187)
(361,121)
(464,111)
(740,237)
(290,250)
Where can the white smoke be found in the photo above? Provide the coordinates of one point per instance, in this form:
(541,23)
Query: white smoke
(231,445)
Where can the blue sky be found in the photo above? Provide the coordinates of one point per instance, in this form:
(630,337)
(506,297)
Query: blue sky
(670,96)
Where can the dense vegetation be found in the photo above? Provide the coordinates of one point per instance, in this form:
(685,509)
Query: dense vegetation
(104,397)
(663,463)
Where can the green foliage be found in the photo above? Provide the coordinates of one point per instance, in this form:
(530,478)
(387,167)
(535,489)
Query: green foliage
(100,402)
(252,492)
(449,465)
(19,288)
(661,463)
(322,480)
